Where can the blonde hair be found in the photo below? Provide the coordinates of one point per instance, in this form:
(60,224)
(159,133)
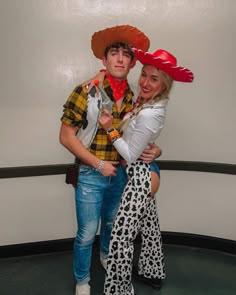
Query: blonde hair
(167,82)
(167,85)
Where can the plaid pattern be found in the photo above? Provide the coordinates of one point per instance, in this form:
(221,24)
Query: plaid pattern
(75,114)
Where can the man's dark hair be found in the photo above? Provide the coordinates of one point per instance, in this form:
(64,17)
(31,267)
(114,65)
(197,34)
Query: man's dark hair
(118,45)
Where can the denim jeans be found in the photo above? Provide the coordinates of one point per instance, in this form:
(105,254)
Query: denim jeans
(97,197)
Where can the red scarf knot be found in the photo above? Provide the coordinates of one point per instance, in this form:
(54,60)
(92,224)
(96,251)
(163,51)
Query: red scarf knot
(118,87)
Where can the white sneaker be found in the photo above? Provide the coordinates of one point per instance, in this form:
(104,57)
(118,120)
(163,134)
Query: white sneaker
(82,289)
(103,262)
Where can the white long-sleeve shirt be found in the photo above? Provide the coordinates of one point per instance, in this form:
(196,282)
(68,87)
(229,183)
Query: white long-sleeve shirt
(144,128)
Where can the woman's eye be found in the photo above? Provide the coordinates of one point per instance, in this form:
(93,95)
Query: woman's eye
(155,80)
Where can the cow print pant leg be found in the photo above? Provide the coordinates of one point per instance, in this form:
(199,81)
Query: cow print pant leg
(136,213)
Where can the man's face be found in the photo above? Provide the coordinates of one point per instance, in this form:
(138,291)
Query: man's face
(118,63)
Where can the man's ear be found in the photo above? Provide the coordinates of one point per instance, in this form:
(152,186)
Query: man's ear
(104,61)
(133,63)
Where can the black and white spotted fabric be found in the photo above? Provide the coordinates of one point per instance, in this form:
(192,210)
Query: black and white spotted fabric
(137,213)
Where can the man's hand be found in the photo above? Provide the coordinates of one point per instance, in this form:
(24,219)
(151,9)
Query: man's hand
(151,154)
(109,168)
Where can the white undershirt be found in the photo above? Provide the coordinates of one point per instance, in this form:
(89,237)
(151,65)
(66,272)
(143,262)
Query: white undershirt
(143,129)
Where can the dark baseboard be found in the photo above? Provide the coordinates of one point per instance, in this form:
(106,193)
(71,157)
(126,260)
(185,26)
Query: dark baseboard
(200,241)
(169,238)
(36,248)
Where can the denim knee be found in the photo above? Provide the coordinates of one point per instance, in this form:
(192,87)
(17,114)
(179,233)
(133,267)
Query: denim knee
(86,235)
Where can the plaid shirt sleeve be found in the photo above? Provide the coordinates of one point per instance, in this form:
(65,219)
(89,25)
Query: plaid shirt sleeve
(75,108)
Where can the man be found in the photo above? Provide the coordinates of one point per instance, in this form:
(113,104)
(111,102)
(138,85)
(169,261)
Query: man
(102,178)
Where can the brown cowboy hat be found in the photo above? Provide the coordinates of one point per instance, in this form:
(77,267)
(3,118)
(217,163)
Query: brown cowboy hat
(166,62)
(124,33)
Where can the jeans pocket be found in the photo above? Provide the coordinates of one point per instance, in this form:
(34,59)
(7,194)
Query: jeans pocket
(86,170)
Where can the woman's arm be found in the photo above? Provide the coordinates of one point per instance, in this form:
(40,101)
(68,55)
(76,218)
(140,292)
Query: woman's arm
(148,125)
(147,128)
(99,77)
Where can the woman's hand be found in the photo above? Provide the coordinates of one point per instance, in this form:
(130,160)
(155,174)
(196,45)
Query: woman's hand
(106,119)
(99,77)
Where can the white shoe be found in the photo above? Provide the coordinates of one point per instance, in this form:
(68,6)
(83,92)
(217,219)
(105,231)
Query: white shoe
(82,289)
(103,262)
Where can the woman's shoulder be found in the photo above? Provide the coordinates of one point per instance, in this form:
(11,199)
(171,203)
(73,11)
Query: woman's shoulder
(156,108)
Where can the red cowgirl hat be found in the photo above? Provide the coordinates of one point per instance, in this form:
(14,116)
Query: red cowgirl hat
(166,62)
(124,33)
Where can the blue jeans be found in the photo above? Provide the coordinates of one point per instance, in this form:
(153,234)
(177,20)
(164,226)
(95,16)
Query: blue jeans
(97,197)
(155,168)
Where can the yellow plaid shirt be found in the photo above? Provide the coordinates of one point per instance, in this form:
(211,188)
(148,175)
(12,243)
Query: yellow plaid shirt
(74,115)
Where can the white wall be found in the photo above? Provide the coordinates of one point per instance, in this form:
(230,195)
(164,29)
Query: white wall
(45,52)
(42,208)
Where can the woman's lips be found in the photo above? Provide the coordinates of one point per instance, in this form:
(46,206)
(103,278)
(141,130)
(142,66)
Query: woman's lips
(144,90)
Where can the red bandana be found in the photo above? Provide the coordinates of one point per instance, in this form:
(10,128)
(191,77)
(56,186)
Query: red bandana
(118,87)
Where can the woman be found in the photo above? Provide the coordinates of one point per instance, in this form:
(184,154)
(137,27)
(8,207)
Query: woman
(138,211)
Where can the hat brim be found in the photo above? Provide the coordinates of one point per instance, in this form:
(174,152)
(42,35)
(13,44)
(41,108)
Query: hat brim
(178,73)
(125,33)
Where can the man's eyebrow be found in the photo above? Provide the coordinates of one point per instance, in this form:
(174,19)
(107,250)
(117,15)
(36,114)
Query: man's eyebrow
(125,50)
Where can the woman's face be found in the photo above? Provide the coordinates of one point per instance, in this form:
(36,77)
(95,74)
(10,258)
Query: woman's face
(150,82)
